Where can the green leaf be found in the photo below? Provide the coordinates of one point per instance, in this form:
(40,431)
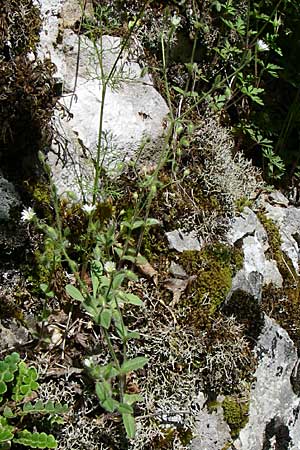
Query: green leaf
(131,275)
(110,404)
(35,440)
(132,299)
(151,222)
(7,412)
(133,335)
(95,284)
(129,424)
(75,293)
(133,364)
(124,408)
(179,90)
(141,260)
(130,399)
(138,224)
(3,387)
(118,280)
(6,435)
(103,390)
(6,431)
(43,408)
(105,318)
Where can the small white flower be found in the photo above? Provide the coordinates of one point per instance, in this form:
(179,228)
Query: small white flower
(109,267)
(88,209)
(88,362)
(28,215)
(262,46)
(175,21)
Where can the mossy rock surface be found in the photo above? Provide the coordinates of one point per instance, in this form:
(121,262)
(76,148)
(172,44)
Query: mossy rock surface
(235,414)
(214,267)
(282,304)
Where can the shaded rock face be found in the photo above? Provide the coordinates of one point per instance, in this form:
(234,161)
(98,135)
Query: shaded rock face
(274,421)
(8,198)
(133,110)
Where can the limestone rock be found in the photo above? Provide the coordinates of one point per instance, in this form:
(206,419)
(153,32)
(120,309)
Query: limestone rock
(133,110)
(212,432)
(288,222)
(182,241)
(248,224)
(274,420)
(258,270)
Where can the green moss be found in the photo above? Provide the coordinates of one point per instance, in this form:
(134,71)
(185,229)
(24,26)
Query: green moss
(284,264)
(213,405)
(235,414)
(241,203)
(166,440)
(214,267)
(282,304)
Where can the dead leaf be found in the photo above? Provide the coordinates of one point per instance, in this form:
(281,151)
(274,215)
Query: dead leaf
(149,271)
(177,286)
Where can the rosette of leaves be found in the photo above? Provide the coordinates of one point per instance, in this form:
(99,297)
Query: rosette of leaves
(17,384)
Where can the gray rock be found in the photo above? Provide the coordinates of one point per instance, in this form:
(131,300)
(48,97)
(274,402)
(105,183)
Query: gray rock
(274,420)
(12,335)
(8,198)
(251,283)
(133,110)
(248,224)
(182,241)
(288,222)
(256,261)
(257,270)
(278,198)
(177,270)
(212,432)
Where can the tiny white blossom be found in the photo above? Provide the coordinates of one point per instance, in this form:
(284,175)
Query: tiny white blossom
(109,266)
(28,215)
(88,209)
(88,362)
(262,46)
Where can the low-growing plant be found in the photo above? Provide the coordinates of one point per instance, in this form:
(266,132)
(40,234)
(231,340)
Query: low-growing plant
(104,304)
(18,385)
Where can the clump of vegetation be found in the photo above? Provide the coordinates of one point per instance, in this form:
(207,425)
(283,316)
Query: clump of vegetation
(18,383)
(146,356)
(215,266)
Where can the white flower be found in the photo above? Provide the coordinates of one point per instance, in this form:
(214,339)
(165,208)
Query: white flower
(88,209)
(109,267)
(88,362)
(262,46)
(28,215)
